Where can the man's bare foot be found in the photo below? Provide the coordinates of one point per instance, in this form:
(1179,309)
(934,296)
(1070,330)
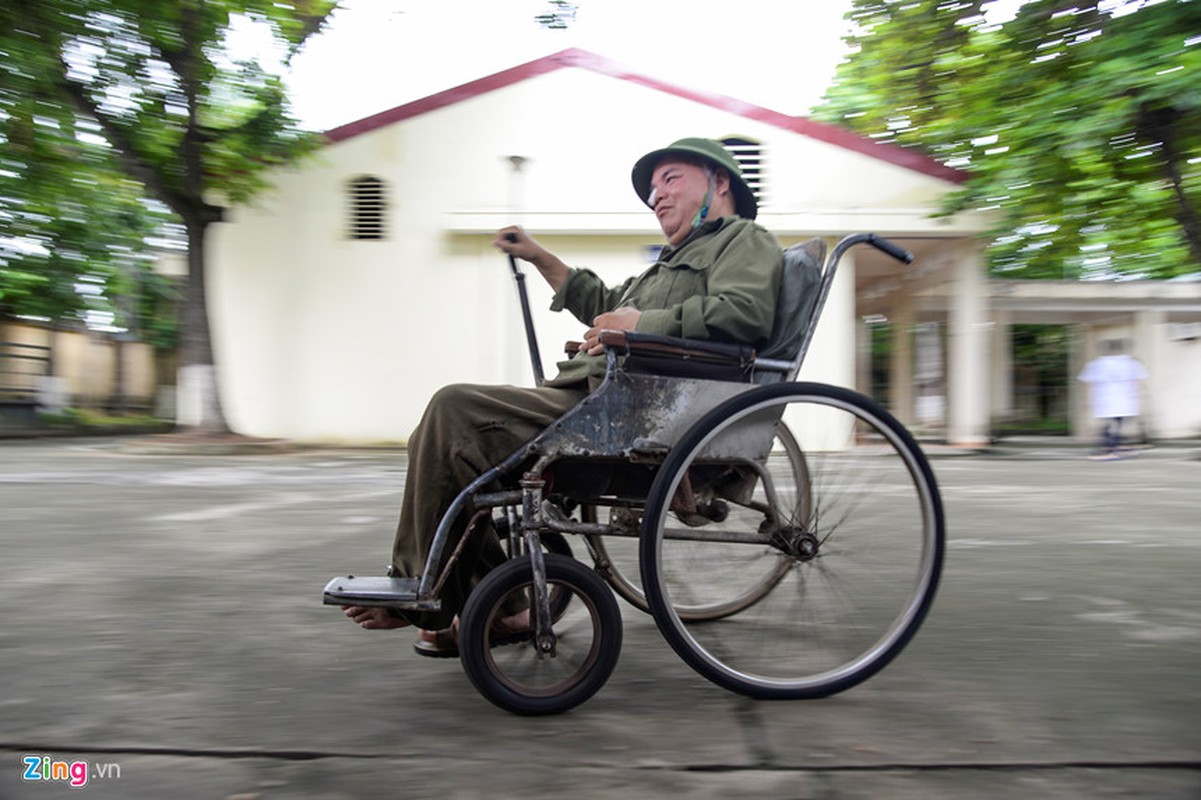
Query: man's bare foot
(373,618)
(514,624)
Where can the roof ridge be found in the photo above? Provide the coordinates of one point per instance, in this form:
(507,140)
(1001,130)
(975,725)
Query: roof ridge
(584,59)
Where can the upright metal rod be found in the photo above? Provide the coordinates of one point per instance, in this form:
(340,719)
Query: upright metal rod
(532,485)
(531,337)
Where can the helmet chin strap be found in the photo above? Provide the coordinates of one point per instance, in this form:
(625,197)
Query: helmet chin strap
(704,209)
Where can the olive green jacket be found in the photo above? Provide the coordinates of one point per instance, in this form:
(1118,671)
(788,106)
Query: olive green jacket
(720,284)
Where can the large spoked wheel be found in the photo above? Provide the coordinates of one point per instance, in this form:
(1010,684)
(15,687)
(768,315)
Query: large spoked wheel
(864,541)
(756,572)
(513,671)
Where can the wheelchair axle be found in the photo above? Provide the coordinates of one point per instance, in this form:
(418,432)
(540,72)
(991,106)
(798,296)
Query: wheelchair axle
(797,542)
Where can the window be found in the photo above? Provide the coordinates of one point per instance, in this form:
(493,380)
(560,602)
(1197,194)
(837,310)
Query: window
(749,155)
(367,206)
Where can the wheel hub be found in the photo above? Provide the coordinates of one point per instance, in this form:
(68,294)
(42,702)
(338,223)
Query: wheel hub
(798,543)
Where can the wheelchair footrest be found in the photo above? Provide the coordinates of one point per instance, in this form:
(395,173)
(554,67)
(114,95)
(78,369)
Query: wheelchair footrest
(377,591)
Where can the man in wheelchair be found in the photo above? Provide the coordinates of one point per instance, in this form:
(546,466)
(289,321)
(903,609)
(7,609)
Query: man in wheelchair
(716,279)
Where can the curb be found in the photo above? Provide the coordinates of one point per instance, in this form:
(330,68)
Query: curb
(173,445)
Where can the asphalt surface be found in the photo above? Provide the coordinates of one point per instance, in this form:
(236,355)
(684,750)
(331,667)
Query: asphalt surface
(164,627)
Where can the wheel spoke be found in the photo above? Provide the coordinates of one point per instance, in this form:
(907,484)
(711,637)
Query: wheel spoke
(859,534)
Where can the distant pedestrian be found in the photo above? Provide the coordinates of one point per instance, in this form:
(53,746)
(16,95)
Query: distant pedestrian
(1113,381)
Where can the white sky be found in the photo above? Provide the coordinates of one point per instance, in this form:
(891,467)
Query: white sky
(377,54)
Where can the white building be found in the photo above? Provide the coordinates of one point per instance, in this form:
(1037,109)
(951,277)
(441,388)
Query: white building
(365,279)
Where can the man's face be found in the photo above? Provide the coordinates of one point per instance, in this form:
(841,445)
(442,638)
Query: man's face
(677,192)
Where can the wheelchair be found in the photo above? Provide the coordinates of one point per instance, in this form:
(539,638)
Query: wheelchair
(787,537)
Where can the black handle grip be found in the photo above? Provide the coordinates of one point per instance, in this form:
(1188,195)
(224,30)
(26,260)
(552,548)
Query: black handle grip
(893,249)
(511,238)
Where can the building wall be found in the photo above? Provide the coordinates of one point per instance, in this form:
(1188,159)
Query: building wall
(85,366)
(326,339)
(1178,385)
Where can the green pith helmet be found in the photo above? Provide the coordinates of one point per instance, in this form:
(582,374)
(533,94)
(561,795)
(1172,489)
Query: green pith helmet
(709,151)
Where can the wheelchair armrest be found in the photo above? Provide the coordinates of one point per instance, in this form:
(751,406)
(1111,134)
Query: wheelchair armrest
(673,356)
(633,342)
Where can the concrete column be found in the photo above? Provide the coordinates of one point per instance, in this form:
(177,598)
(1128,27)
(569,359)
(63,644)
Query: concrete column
(968,346)
(1080,417)
(929,376)
(1001,405)
(831,357)
(863,356)
(900,365)
(1148,347)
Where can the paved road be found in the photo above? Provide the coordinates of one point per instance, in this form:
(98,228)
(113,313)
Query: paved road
(164,620)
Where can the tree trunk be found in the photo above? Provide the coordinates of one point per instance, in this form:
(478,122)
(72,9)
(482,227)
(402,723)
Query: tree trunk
(198,398)
(117,401)
(1161,126)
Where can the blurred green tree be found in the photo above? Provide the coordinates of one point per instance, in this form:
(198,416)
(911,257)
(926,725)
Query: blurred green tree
(104,103)
(52,191)
(1079,122)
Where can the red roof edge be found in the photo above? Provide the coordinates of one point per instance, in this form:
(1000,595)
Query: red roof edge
(574,57)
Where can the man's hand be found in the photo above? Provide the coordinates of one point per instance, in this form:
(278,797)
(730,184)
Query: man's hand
(516,242)
(619,319)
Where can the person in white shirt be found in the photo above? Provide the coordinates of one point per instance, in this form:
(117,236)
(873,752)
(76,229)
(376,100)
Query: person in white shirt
(1113,382)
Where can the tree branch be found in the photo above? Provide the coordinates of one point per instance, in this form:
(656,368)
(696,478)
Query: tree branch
(311,24)
(134,164)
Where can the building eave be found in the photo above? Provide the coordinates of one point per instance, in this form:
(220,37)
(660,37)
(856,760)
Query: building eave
(582,59)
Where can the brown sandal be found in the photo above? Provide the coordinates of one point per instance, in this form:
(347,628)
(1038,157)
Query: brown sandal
(445,643)
(438,644)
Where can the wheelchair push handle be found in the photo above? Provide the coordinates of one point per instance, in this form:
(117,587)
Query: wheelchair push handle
(891,248)
(879,242)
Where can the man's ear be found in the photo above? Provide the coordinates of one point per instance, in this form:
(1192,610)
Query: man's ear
(721,182)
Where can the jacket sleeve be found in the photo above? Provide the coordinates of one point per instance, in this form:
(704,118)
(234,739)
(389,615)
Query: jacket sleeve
(585,295)
(739,300)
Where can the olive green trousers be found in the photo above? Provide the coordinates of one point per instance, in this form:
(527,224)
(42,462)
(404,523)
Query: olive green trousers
(466,430)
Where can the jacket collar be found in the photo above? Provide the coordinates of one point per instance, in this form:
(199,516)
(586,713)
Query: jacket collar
(712,226)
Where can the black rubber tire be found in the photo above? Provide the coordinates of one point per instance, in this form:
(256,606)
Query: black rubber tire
(555,542)
(873,523)
(511,675)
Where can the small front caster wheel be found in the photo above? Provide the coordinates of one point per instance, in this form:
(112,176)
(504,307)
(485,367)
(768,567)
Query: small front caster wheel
(525,676)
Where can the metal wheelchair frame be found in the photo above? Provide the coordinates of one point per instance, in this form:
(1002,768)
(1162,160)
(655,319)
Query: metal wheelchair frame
(661,425)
